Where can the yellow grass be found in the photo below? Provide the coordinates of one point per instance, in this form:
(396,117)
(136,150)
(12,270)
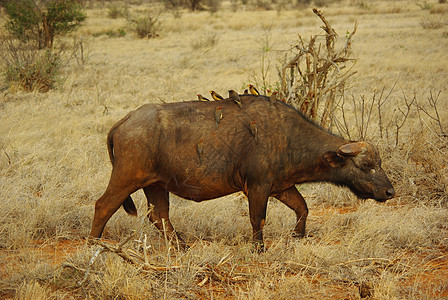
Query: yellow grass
(54,165)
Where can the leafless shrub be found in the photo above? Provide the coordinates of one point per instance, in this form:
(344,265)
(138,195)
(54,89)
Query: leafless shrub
(234,4)
(432,112)
(439,9)
(115,11)
(80,51)
(213,5)
(314,78)
(402,115)
(207,41)
(147,25)
(431,23)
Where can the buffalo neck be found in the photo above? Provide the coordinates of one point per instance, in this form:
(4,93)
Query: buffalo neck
(309,143)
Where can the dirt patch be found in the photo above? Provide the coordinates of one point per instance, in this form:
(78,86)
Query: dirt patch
(56,252)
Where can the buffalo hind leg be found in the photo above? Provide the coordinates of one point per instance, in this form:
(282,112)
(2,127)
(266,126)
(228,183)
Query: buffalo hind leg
(158,199)
(294,200)
(258,201)
(107,205)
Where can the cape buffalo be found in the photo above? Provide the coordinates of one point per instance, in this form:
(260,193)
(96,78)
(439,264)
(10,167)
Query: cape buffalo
(176,147)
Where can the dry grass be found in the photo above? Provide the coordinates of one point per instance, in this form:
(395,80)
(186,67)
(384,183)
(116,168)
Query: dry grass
(54,165)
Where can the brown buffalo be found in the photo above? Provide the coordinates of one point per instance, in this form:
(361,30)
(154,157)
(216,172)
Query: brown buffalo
(176,148)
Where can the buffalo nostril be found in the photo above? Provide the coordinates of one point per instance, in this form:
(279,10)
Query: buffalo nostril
(390,193)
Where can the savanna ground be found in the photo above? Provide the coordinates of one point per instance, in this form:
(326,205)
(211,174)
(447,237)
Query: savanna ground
(54,163)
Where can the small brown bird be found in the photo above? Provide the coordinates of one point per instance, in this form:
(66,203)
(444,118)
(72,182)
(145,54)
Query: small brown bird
(253,90)
(218,116)
(201,98)
(200,149)
(216,96)
(246,92)
(273,98)
(235,97)
(254,130)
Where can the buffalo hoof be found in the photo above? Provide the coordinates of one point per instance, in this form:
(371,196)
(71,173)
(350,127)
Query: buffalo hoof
(258,247)
(298,235)
(90,240)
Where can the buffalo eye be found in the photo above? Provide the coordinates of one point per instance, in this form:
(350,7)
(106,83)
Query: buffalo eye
(366,167)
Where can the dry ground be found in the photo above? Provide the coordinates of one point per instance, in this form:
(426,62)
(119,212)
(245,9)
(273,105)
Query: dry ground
(54,165)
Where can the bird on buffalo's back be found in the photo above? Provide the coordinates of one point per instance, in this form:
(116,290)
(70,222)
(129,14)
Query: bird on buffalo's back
(254,130)
(273,97)
(253,90)
(216,96)
(201,98)
(218,116)
(235,97)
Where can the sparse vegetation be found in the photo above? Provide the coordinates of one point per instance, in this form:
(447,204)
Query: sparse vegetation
(208,41)
(54,164)
(431,23)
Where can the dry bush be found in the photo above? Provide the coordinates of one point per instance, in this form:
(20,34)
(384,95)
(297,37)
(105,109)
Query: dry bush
(115,11)
(147,25)
(431,23)
(439,9)
(30,68)
(206,41)
(314,78)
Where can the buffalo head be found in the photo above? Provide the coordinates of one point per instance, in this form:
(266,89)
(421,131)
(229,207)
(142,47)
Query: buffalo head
(358,166)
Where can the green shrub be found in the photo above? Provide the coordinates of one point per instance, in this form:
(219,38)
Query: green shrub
(29,21)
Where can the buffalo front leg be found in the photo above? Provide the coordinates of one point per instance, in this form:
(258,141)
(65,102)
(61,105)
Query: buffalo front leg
(258,201)
(159,205)
(294,200)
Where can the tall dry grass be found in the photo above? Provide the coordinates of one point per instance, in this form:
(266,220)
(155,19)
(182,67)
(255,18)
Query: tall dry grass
(54,165)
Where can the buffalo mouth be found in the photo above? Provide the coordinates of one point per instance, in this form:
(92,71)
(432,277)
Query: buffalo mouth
(381,196)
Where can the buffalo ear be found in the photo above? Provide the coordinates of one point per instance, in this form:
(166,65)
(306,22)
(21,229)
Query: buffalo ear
(334,159)
(351,149)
